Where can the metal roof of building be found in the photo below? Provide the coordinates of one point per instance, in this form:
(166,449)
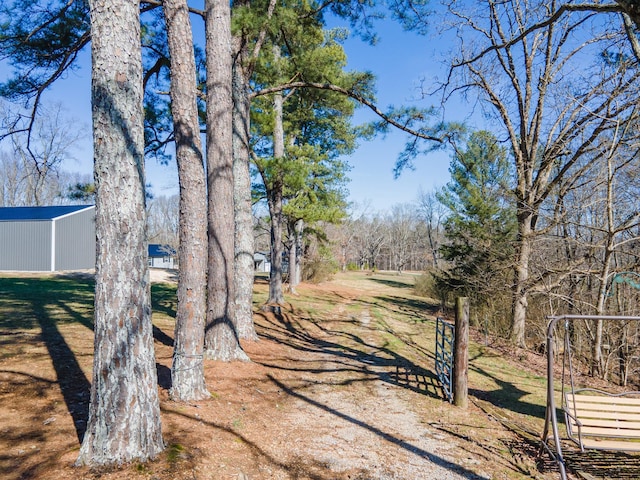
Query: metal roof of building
(8,214)
(157,250)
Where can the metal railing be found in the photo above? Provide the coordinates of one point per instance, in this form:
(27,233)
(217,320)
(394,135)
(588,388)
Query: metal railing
(445,333)
(551,432)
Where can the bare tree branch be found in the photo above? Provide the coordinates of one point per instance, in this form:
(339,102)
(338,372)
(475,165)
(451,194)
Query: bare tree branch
(554,17)
(631,35)
(359,98)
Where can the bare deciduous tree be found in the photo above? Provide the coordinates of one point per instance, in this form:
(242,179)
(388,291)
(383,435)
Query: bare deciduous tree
(432,213)
(552,95)
(38,152)
(163,220)
(402,229)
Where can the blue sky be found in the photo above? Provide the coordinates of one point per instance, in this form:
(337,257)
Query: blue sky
(400,60)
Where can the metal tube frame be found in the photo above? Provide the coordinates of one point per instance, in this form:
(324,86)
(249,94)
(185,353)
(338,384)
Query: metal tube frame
(551,415)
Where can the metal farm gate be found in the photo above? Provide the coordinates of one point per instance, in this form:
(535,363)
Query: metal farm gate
(445,333)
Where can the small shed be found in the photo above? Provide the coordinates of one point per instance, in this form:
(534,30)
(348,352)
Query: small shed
(261,262)
(50,239)
(161,256)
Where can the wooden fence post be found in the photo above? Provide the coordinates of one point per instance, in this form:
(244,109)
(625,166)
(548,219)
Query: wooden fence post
(461,354)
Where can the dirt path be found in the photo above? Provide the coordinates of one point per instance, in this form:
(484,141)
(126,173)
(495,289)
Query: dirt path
(358,409)
(373,430)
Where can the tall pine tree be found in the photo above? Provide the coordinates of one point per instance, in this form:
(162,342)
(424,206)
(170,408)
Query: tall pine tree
(300,132)
(480,228)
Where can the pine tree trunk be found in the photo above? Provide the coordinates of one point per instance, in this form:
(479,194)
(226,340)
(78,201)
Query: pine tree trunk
(187,370)
(244,243)
(276,296)
(124,413)
(221,337)
(298,229)
(274,199)
(293,274)
(295,255)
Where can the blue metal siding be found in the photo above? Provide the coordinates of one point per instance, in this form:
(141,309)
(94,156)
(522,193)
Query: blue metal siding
(9,214)
(76,241)
(25,246)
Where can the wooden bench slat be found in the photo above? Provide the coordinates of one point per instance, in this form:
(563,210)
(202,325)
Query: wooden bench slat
(595,422)
(596,444)
(621,400)
(609,432)
(595,408)
(605,415)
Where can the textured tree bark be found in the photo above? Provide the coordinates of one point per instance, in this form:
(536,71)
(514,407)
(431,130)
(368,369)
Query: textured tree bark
(124,414)
(274,199)
(221,337)
(275,202)
(299,230)
(244,244)
(245,55)
(295,254)
(631,8)
(520,292)
(187,370)
(293,273)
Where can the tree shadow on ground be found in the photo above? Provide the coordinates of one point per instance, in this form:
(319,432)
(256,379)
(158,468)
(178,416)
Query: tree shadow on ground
(48,303)
(164,299)
(17,386)
(392,283)
(161,337)
(164,376)
(423,313)
(297,467)
(420,310)
(404,444)
(74,385)
(509,451)
(18,296)
(365,361)
(508,395)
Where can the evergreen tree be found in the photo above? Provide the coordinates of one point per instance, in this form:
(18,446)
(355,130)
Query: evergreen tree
(481,225)
(187,370)
(315,194)
(299,133)
(82,192)
(221,338)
